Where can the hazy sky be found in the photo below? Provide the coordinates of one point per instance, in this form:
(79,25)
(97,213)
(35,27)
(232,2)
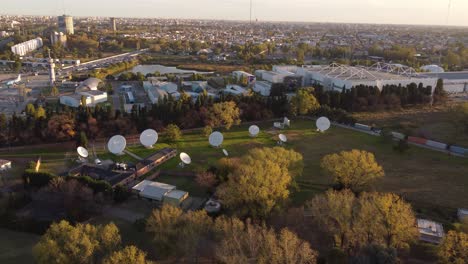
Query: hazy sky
(362,11)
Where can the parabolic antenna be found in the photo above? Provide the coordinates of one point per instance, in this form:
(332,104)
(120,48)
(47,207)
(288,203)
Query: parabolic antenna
(283,138)
(323,124)
(185,158)
(226,153)
(148,138)
(116,144)
(216,139)
(82,152)
(254,130)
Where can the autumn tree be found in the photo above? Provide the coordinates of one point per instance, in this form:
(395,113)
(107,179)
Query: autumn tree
(386,219)
(303,103)
(333,212)
(260,183)
(241,242)
(173,132)
(61,127)
(206,179)
(207,130)
(83,243)
(353,169)
(130,254)
(176,233)
(454,248)
(352,223)
(224,114)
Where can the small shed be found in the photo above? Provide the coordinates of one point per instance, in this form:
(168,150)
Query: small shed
(430,231)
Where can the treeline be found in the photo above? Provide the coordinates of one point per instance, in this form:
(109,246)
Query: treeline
(371,98)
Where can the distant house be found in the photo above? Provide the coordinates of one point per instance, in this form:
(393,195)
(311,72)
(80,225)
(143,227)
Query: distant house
(430,231)
(5,165)
(238,75)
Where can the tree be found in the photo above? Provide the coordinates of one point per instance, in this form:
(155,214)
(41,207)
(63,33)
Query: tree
(61,127)
(459,118)
(224,114)
(260,183)
(439,95)
(178,233)
(454,248)
(83,243)
(54,91)
(249,243)
(207,130)
(40,113)
(333,212)
(83,139)
(173,132)
(352,223)
(127,255)
(386,219)
(303,103)
(206,179)
(353,169)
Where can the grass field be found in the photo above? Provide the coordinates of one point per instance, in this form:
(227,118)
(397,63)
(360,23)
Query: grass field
(428,179)
(429,122)
(16,247)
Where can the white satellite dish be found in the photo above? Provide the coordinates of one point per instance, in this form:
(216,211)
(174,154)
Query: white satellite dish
(216,139)
(283,138)
(148,138)
(254,130)
(323,124)
(82,152)
(226,153)
(185,158)
(116,144)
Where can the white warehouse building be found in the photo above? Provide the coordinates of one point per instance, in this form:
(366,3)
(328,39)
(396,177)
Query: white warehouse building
(336,76)
(88,89)
(24,48)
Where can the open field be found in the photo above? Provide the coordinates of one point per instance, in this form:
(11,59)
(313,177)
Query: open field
(429,122)
(16,247)
(426,178)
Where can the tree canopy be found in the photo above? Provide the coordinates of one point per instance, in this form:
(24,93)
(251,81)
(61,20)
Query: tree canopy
(304,102)
(260,183)
(353,169)
(224,114)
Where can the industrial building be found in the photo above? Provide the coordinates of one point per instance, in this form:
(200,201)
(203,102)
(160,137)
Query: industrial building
(24,48)
(160,192)
(87,89)
(65,25)
(454,82)
(337,76)
(238,75)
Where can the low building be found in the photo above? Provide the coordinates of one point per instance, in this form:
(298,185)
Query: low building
(5,165)
(154,191)
(175,197)
(155,160)
(262,87)
(430,231)
(242,74)
(87,89)
(235,90)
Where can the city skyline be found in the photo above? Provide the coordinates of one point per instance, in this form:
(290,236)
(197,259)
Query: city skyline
(418,12)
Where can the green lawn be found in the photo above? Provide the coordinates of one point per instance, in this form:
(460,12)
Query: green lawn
(428,179)
(16,247)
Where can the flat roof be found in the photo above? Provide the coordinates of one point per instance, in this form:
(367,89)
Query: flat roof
(463,75)
(176,194)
